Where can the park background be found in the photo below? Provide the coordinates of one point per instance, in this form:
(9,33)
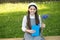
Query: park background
(12,12)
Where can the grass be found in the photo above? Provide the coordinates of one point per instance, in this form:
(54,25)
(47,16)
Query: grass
(11,18)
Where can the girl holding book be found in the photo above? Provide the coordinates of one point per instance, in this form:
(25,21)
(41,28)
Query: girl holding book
(30,19)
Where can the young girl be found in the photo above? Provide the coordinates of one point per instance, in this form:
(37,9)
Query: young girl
(30,19)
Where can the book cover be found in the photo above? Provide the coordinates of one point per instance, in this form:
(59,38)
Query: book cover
(37,30)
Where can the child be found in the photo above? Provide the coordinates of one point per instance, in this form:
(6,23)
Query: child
(30,19)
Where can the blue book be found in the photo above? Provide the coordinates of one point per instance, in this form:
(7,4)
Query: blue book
(37,30)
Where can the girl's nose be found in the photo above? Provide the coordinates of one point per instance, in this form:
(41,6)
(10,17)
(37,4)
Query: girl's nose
(32,10)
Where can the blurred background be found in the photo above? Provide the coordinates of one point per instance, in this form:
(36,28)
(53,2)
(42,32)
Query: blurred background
(12,12)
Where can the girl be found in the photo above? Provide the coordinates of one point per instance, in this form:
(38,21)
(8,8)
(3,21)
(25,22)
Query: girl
(30,19)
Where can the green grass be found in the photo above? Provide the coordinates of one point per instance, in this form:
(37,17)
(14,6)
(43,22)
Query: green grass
(11,18)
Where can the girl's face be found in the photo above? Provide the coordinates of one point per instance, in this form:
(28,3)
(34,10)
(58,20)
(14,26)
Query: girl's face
(32,10)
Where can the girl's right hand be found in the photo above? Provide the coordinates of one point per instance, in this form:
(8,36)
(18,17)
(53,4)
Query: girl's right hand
(30,31)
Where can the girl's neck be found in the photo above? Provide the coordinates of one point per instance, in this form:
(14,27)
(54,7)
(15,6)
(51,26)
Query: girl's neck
(32,14)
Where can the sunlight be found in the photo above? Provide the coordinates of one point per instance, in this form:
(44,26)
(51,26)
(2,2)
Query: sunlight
(41,7)
(9,7)
(16,7)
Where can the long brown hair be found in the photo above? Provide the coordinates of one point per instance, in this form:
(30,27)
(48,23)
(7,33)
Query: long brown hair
(36,17)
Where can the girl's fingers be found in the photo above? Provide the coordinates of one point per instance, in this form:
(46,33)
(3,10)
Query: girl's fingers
(32,31)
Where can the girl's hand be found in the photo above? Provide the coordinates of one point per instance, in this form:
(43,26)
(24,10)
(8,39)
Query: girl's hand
(43,25)
(30,31)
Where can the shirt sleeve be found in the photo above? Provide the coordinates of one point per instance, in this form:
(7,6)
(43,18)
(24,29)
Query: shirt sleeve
(40,20)
(24,21)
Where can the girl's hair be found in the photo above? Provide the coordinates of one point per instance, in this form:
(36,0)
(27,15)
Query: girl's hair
(36,18)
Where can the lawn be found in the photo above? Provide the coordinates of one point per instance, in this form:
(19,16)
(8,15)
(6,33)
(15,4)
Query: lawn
(11,15)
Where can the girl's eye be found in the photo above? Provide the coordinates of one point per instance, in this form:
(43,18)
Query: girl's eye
(32,9)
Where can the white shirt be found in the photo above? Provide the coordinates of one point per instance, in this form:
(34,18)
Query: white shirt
(24,22)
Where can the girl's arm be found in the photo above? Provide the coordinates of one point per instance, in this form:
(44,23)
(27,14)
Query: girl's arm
(42,25)
(24,21)
(24,29)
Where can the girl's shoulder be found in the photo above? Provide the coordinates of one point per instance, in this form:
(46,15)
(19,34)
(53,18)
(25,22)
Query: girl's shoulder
(25,16)
(39,16)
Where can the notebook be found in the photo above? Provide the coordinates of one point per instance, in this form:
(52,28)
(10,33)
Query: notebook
(37,30)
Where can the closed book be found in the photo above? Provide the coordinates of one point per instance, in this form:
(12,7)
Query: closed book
(36,28)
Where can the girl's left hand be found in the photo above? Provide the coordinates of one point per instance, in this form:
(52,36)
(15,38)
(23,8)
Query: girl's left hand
(43,25)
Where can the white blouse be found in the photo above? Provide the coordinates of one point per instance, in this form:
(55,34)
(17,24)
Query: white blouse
(24,22)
